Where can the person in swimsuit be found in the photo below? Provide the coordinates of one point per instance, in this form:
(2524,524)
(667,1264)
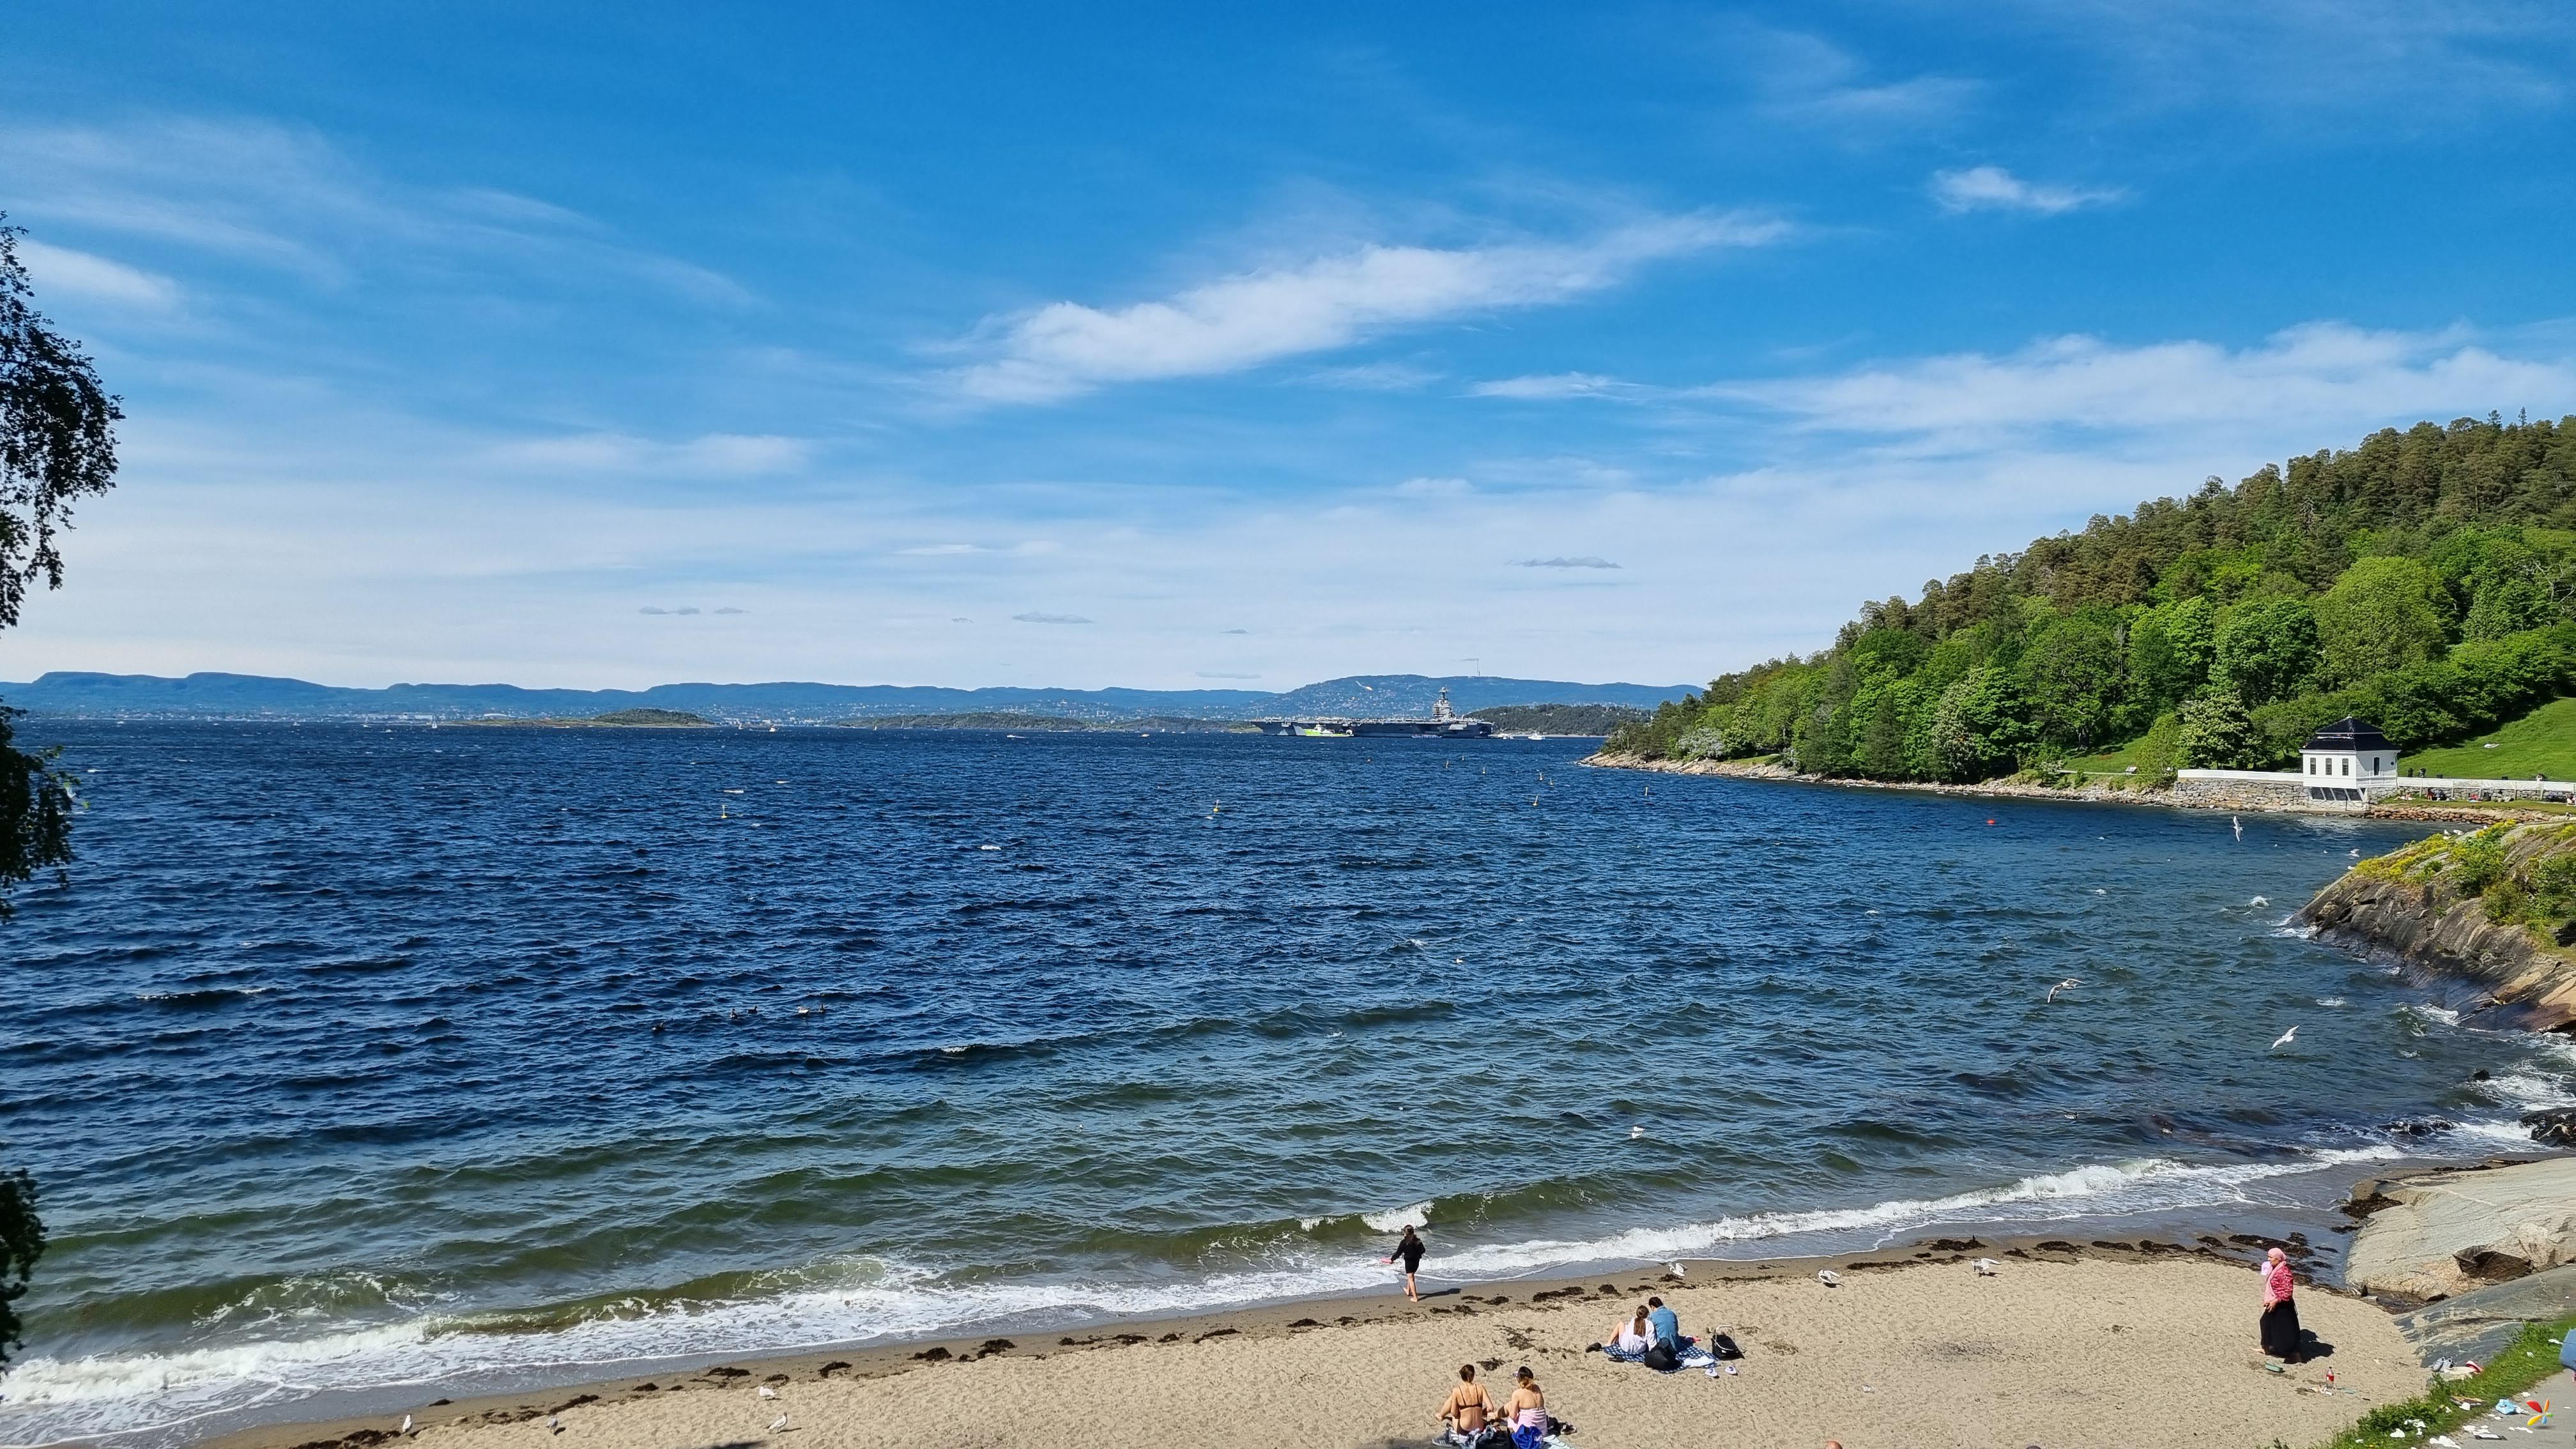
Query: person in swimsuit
(1527,1412)
(1409,1248)
(1468,1409)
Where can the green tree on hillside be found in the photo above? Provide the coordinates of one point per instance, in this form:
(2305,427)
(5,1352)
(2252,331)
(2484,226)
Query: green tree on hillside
(57,444)
(2383,613)
(2266,649)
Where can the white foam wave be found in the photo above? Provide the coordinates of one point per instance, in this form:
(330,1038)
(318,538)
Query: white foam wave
(2530,1091)
(1397,1220)
(2429,1012)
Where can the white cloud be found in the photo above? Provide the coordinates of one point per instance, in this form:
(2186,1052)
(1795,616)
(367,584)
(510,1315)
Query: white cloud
(1037,618)
(1587,561)
(719,454)
(1255,317)
(1434,487)
(1803,79)
(285,197)
(1374,377)
(61,270)
(2327,377)
(1992,188)
(1556,385)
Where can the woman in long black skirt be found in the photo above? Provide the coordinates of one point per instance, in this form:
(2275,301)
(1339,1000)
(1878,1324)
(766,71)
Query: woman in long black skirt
(2280,1316)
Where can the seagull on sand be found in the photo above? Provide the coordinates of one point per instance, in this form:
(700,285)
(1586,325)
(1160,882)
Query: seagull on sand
(406,1428)
(1829,1277)
(2069,984)
(2283,1039)
(1985,1267)
(778,1423)
(767,1392)
(554,1422)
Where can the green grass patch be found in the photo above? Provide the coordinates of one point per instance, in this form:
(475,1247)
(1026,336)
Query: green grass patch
(2530,1358)
(2542,742)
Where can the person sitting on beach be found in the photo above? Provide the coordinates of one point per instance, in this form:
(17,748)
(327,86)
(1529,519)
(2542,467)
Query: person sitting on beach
(1633,1335)
(1409,1248)
(1527,1412)
(1468,1408)
(1664,1325)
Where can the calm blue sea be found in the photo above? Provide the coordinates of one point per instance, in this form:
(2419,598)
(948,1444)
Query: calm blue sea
(354,1057)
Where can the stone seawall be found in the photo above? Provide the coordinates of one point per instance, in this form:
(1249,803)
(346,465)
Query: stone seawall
(2231,794)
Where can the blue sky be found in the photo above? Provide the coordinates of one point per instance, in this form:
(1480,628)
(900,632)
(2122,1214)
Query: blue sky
(1201,345)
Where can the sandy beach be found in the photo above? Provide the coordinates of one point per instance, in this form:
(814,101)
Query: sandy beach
(2098,1350)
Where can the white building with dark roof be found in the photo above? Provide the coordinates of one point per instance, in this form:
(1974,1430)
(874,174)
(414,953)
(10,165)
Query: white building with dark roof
(2345,758)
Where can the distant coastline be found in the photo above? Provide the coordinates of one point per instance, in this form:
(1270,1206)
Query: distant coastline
(627,719)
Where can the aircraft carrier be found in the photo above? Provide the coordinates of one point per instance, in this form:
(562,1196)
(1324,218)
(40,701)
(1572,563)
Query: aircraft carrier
(1445,724)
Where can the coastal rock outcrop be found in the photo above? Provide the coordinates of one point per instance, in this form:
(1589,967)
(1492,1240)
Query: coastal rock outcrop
(2463,904)
(2450,1233)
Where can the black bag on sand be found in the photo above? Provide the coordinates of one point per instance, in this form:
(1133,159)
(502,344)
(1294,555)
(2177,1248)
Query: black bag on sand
(1661,1357)
(1723,1346)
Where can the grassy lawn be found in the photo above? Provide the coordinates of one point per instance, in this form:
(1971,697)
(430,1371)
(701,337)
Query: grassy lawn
(2110,762)
(2531,1358)
(2542,742)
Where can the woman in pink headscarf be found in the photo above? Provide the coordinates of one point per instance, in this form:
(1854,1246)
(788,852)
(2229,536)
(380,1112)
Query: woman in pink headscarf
(2280,1316)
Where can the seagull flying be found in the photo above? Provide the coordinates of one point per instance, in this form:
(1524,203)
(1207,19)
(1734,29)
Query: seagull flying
(2069,984)
(2239,824)
(2283,1039)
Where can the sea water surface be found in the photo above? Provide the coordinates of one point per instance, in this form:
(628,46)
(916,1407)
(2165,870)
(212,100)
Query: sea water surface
(354,1057)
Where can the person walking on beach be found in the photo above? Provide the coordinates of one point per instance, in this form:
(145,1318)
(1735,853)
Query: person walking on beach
(1467,1410)
(1527,1412)
(1409,1248)
(2280,1322)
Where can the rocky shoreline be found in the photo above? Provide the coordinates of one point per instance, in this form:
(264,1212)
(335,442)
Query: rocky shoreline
(2415,902)
(2094,792)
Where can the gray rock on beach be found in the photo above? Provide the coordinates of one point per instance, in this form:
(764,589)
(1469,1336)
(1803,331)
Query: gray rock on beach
(2450,1233)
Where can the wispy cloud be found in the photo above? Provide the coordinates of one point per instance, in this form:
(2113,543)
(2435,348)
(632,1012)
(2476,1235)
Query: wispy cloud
(287,198)
(1255,317)
(1557,385)
(2323,375)
(1037,618)
(726,454)
(1374,377)
(62,270)
(1992,188)
(1435,488)
(1586,561)
(1803,79)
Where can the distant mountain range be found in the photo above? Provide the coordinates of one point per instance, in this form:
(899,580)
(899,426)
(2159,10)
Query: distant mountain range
(250,696)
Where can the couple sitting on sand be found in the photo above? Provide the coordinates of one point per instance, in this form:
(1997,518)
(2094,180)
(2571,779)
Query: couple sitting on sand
(1469,1417)
(1652,1336)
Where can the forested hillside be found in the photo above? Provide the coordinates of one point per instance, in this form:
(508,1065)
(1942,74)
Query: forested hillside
(2425,580)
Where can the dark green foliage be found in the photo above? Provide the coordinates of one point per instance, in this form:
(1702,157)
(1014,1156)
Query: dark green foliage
(1561,719)
(57,443)
(35,813)
(57,438)
(22,1241)
(2267,649)
(2425,581)
(2214,733)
